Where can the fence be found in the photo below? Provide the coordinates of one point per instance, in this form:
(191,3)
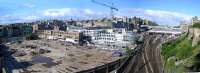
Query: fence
(105,68)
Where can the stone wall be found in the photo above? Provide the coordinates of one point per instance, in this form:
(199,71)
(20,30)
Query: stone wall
(194,34)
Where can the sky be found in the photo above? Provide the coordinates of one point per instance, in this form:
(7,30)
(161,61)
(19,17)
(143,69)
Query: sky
(164,12)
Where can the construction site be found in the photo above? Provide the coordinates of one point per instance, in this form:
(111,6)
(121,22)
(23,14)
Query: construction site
(46,56)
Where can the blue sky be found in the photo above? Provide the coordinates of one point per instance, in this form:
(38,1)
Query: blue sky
(164,12)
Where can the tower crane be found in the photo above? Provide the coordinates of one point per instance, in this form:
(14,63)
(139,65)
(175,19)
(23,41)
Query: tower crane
(112,8)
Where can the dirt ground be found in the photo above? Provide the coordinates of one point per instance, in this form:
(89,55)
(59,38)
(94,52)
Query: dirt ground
(61,58)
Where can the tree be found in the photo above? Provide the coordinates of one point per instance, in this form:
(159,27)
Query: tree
(151,23)
(128,51)
(196,25)
(32,37)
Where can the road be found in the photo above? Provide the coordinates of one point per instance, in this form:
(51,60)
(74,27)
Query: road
(148,59)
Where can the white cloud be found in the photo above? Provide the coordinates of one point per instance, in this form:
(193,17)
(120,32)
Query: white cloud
(73,12)
(31,17)
(160,16)
(55,14)
(88,11)
(12,18)
(167,14)
(58,12)
(28,5)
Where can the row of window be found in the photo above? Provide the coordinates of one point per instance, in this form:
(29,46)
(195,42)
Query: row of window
(105,42)
(104,35)
(102,38)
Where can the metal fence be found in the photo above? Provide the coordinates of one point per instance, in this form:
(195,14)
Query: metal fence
(118,65)
(105,68)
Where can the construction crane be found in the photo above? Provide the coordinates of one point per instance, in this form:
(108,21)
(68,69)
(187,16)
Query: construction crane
(112,8)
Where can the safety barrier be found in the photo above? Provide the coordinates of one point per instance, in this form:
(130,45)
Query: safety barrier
(105,68)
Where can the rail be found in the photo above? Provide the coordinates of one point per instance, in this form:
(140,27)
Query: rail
(127,61)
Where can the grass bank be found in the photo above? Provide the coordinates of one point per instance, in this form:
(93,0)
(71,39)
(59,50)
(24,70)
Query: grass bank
(179,55)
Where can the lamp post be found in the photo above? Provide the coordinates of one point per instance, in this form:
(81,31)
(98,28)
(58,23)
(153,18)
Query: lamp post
(65,53)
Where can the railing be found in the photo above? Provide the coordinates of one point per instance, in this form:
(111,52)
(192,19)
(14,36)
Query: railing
(123,66)
(118,65)
(127,61)
(105,68)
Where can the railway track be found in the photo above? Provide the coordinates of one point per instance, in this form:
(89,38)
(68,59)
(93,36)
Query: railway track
(148,60)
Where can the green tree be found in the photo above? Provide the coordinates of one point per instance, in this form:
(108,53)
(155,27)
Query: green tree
(128,51)
(32,37)
(196,25)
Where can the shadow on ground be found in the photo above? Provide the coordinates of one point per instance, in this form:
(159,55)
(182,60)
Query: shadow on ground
(10,63)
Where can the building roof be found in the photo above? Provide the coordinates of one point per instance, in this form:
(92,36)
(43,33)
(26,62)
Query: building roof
(166,30)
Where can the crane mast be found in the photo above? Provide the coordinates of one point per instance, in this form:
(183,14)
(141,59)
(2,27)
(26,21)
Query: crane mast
(112,8)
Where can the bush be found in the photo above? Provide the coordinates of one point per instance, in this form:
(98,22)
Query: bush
(32,37)
(182,49)
(128,51)
(196,25)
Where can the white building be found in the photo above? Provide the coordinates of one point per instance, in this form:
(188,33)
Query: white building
(111,38)
(91,32)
